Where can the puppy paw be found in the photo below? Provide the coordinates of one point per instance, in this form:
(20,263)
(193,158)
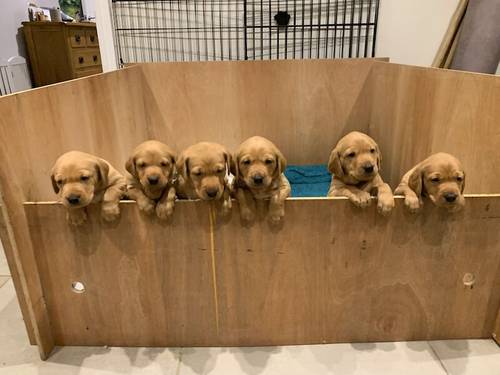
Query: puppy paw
(413,204)
(361,199)
(385,204)
(110,212)
(276,215)
(76,218)
(226,207)
(146,205)
(247,215)
(164,211)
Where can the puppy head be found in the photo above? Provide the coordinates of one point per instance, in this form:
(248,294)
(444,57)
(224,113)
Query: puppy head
(76,176)
(258,162)
(205,165)
(441,177)
(152,163)
(355,158)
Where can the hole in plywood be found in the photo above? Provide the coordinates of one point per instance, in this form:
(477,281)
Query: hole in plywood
(77,287)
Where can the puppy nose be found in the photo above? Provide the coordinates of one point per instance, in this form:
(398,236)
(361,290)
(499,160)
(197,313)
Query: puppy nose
(73,199)
(153,180)
(368,168)
(450,197)
(212,192)
(258,179)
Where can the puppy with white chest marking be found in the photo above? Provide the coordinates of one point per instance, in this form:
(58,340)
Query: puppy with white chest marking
(355,166)
(81,179)
(203,170)
(440,177)
(258,171)
(151,184)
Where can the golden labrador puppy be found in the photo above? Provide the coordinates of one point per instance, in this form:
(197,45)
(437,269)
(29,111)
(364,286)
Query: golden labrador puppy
(440,177)
(355,166)
(80,179)
(203,174)
(258,171)
(151,185)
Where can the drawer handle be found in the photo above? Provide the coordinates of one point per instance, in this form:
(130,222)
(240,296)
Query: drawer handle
(77,38)
(80,60)
(95,58)
(92,38)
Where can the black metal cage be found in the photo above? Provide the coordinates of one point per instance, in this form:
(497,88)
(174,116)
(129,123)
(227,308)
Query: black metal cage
(201,30)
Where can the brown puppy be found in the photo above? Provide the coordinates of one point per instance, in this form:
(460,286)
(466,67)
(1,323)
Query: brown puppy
(81,179)
(258,170)
(203,170)
(441,177)
(151,185)
(355,166)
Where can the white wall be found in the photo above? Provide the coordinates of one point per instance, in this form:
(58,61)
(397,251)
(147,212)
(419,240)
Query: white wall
(410,31)
(89,8)
(12,13)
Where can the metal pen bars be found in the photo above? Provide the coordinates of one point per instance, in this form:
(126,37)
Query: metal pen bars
(206,30)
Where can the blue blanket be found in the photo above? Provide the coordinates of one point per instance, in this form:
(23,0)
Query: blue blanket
(308,180)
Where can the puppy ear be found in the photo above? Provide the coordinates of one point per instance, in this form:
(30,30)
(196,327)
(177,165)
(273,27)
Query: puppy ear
(281,162)
(130,166)
(379,157)
(335,165)
(54,183)
(182,166)
(102,170)
(415,182)
(463,185)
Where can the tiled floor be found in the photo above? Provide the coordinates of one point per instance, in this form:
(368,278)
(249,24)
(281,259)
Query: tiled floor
(460,357)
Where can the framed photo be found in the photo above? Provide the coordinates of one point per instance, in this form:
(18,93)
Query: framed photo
(71,8)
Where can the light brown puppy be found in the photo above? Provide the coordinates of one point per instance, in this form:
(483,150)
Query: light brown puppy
(258,171)
(151,184)
(440,177)
(355,167)
(203,170)
(80,179)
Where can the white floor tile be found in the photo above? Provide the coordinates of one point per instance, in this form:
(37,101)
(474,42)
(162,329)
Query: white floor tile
(382,358)
(468,356)
(4,268)
(3,280)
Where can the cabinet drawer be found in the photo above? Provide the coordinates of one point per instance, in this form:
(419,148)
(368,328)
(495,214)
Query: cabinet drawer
(91,38)
(84,58)
(88,71)
(77,38)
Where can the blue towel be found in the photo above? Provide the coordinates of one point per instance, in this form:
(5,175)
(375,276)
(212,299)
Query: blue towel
(308,180)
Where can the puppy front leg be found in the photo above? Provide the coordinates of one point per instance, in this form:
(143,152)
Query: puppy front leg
(412,202)
(76,216)
(246,203)
(277,202)
(144,203)
(358,197)
(165,207)
(226,201)
(110,210)
(385,199)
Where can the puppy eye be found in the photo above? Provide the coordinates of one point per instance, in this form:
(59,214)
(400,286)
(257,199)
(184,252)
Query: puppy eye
(372,150)
(84,178)
(59,182)
(198,173)
(163,163)
(269,161)
(141,165)
(220,170)
(435,179)
(246,162)
(460,178)
(351,154)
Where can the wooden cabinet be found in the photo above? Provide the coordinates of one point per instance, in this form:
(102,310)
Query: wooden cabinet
(60,51)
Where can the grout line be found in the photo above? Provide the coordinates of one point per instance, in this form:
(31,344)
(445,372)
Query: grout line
(179,362)
(436,356)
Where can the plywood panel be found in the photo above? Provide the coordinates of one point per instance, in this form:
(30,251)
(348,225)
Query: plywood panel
(331,273)
(420,111)
(303,105)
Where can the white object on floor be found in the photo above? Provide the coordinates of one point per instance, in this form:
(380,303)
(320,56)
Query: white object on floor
(14,75)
